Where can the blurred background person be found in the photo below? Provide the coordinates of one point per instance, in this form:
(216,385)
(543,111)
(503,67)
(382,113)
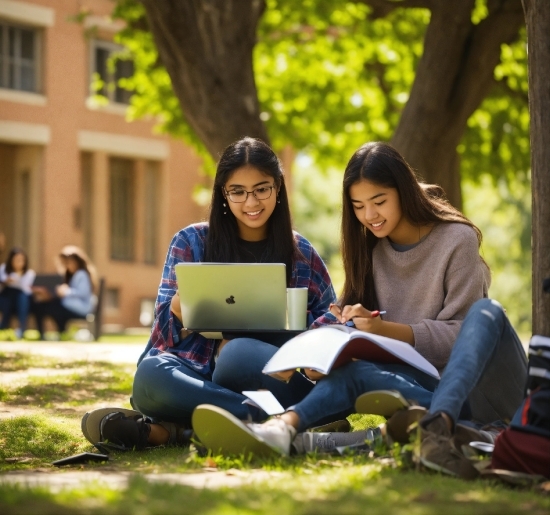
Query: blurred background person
(16,284)
(74,298)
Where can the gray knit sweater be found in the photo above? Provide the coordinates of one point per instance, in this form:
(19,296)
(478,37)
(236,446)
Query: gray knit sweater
(432,286)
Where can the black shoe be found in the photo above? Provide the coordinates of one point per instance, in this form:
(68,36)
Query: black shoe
(124,433)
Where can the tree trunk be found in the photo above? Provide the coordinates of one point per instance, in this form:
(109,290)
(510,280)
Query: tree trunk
(454,75)
(206,47)
(537,16)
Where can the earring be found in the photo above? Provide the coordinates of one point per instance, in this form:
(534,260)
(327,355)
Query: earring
(278,201)
(224,206)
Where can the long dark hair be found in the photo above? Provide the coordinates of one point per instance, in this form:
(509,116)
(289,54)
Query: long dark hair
(223,232)
(83,262)
(422,204)
(9,261)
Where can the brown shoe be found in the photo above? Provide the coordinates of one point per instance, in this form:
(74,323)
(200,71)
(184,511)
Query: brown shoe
(400,426)
(438,452)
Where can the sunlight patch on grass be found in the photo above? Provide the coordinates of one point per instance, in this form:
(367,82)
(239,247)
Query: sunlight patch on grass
(95,382)
(37,438)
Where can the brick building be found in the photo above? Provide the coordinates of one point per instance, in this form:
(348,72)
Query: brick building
(72,172)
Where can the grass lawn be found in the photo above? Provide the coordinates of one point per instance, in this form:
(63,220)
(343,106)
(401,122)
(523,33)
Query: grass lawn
(50,396)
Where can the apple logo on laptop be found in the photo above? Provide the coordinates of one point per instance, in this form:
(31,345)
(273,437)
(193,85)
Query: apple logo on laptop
(230,300)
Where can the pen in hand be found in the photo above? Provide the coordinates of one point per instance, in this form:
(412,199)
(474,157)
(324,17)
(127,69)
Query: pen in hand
(373,314)
(376,313)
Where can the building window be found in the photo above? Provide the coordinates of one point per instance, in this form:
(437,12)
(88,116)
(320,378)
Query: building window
(19,57)
(112,299)
(108,69)
(150,229)
(122,208)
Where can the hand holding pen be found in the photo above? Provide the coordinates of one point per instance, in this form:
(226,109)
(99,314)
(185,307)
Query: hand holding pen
(357,316)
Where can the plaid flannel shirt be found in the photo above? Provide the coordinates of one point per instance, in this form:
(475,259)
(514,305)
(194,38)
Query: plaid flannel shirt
(196,350)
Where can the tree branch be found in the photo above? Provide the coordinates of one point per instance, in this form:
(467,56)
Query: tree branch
(482,55)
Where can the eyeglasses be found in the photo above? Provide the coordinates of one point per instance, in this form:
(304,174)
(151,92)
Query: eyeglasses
(239,196)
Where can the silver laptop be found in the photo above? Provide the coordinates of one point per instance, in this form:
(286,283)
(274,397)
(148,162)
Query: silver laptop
(229,297)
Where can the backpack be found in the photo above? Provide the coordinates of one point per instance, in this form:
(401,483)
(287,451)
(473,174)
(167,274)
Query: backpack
(525,445)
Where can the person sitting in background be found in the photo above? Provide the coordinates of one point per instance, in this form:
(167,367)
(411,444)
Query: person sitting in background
(16,281)
(74,298)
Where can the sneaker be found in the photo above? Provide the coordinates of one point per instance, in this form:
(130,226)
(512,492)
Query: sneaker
(122,432)
(381,402)
(126,433)
(91,423)
(220,431)
(338,426)
(125,430)
(400,427)
(334,442)
(438,452)
(466,433)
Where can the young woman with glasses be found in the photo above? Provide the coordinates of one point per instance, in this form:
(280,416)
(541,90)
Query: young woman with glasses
(249,222)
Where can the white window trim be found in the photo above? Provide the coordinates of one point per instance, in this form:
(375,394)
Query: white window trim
(29,133)
(24,12)
(104,23)
(23,97)
(123,146)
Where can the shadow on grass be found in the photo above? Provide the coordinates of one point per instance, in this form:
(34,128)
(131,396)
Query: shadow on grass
(354,491)
(95,381)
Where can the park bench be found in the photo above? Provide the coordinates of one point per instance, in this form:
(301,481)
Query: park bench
(94,319)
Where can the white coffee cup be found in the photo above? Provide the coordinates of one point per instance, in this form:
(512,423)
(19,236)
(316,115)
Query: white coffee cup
(296,308)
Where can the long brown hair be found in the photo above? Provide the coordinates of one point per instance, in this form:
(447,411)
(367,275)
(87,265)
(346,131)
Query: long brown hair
(422,204)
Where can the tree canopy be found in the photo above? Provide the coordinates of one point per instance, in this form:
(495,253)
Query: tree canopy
(330,77)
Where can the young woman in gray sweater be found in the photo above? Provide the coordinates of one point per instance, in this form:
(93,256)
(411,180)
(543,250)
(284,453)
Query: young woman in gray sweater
(406,251)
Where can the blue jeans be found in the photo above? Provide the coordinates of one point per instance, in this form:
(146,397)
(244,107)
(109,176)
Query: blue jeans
(14,301)
(166,389)
(334,396)
(488,366)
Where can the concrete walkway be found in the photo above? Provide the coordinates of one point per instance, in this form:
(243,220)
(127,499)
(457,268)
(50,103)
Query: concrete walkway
(76,351)
(210,478)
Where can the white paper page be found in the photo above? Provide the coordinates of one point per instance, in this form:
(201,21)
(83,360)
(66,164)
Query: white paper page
(265,400)
(316,349)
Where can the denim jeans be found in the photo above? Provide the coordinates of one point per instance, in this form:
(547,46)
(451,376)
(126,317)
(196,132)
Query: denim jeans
(14,301)
(488,366)
(334,396)
(166,389)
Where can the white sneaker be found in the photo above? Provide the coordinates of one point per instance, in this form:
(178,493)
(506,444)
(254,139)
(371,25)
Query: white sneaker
(276,433)
(220,431)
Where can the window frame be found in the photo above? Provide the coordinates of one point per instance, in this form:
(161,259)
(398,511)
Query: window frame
(37,61)
(111,92)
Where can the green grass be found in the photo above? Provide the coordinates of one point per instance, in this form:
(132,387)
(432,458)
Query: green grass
(325,490)
(94,381)
(314,484)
